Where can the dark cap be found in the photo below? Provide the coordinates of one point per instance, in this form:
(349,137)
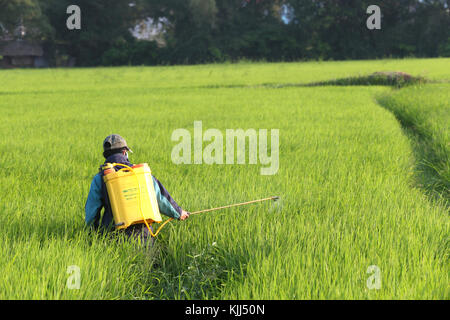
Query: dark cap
(114,141)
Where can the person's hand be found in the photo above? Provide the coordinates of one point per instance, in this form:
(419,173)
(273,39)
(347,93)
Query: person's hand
(184,215)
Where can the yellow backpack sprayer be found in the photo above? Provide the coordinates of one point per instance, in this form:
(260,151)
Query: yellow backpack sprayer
(133,199)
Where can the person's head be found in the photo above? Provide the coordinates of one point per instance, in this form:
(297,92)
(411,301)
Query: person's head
(115,144)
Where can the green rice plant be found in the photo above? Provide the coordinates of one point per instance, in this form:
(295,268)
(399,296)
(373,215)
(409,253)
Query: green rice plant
(345,178)
(141,79)
(424,111)
(387,78)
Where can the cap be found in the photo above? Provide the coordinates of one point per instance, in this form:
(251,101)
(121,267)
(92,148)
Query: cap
(114,141)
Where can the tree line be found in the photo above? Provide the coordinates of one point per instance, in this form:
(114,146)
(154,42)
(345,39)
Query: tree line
(202,31)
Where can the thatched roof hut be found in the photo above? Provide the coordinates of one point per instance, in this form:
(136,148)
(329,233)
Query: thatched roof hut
(20,53)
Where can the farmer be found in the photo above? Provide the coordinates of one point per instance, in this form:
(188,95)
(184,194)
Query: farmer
(115,150)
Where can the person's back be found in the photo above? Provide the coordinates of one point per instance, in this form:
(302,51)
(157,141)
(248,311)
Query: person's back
(115,150)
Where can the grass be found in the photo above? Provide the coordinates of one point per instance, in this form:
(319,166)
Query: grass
(346,180)
(141,79)
(424,112)
(394,79)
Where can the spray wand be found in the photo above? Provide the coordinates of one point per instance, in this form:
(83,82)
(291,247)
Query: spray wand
(274,198)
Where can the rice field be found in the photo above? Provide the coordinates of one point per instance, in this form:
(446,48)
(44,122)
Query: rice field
(353,193)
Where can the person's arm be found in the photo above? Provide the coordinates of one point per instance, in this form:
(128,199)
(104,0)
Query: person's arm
(166,204)
(94,202)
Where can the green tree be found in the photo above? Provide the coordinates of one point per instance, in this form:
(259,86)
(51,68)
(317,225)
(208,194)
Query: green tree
(200,31)
(432,27)
(217,30)
(26,12)
(104,25)
(337,29)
